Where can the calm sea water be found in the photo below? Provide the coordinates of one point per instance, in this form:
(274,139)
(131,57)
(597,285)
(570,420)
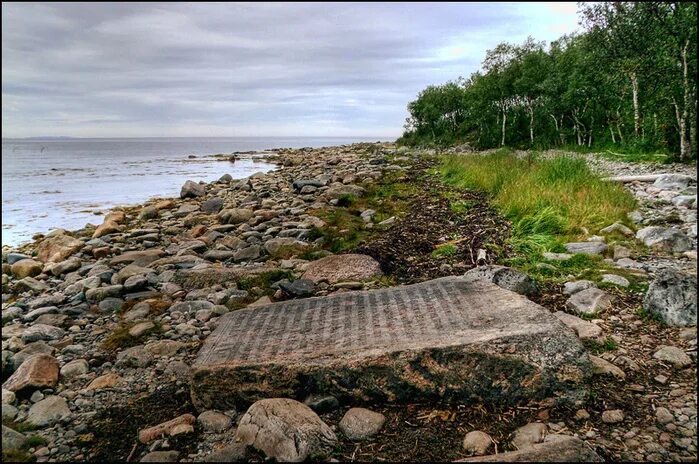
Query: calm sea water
(48,184)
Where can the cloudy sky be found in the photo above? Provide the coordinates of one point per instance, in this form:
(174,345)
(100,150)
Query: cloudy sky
(178,69)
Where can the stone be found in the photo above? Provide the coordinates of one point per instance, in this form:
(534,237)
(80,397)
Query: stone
(673,297)
(213,205)
(106,228)
(26,268)
(361,423)
(30,350)
(11,439)
(58,248)
(247,253)
(182,424)
(664,239)
(587,248)
(340,268)
(75,368)
(192,189)
(69,265)
(589,301)
(8,397)
(615,280)
(673,355)
(38,371)
(134,357)
(555,448)
(617,227)
(104,381)
(673,181)
(139,258)
(585,330)
(298,288)
(663,415)
(477,443)
(361,345)
(321,404)
(214,421)
(603,367)
(42,332)
(285,430)
(235,215)
(48,411)
(505,277)
(161,456)
(164,347)
(14,257)
(582,415)
(557,256)
(570,288)
(141,328)
(529,435)
(613,416)
(301,183)
(98,294)
(235,452)
(621,252)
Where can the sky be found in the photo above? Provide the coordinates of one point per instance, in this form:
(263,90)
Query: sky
(245,69)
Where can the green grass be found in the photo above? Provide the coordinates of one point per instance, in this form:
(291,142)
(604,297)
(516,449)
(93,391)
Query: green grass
(443,251)
(595,347)
(34,441)
(548,201)
(649,317)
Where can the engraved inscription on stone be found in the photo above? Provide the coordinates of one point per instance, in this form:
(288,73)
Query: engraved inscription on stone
(441,312)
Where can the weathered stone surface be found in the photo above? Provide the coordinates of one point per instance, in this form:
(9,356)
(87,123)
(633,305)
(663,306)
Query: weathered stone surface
(191,189)
(584,329)
(477,443)
(589,301)
(11,439)
(161,456)
(615,280)
(106,228)
(235,215)
(139,258)
(673,355)
(341,268)
(673,297)
(555,448)
(277,246)
(285,430)
(664,239)
(104,381)
(617,227)
(587,248)
(361,423)
(613,416)
(505,277)
(570,288)
(673,181)
(48,411)
(601,366)
(26,268)
(182,424)
(235,452)
(57,248)
(38,371)
(529,435)
(214,421)
(473,337)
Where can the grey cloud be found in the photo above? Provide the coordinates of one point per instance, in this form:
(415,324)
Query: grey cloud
(140,69)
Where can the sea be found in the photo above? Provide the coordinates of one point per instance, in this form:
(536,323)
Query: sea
(68,183)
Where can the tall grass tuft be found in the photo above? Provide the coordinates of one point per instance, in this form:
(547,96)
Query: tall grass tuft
(548,201)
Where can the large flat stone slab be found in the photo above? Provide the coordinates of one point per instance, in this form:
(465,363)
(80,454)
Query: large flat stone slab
(447,338)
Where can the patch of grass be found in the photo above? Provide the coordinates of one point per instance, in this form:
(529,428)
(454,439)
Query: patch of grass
(264,280)
(120,337)
(460,206)
(13,455)
(596,347)
(649,317)
(346,200)
(443,251)
(20,427)
(34,441)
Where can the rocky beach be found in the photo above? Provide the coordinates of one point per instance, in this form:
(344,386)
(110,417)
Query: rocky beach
(307,313)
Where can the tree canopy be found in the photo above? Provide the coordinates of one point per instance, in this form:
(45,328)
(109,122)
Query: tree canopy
(628,81)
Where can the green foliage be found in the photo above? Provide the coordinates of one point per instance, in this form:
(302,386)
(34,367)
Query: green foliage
(20,427)
(264,280)
(625,85)
(460,206)
(346,199)
(649,317)
(34,441)
(443,251)
(596,347)
(120,338)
